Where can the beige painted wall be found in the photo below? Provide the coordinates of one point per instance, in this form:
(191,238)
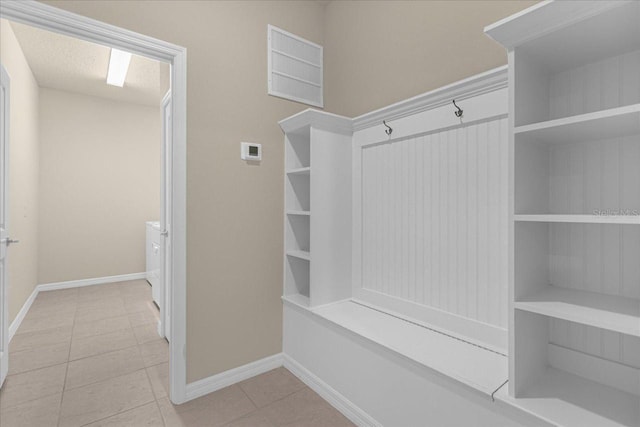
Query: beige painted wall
(234,210)
(234,241)
(23,171)
(381,52)
(99,183)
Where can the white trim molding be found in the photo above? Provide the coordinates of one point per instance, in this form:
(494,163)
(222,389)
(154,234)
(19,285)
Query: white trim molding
(328,393)
(49,18)
(479,84)
(13,328)
(544,18)
(90,282)
(232,376)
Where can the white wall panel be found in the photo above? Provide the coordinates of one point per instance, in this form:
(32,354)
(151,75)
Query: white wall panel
(609,83)
(434,220)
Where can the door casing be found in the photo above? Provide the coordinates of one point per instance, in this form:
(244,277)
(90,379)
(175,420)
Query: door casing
(4,226)
(60,21)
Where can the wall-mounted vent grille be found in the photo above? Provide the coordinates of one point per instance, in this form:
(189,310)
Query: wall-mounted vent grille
(295,68)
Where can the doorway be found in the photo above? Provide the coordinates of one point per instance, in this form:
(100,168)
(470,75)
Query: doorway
(173,218)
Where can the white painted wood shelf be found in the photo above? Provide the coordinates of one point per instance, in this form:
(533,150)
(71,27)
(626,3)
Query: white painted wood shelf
(569,400)
(323,140)
(570,33)
(300,254)
(297,299)
(614,313)
(299,171)
(470,364)
(301,213)
(575,200)
(581,219)
(600,125)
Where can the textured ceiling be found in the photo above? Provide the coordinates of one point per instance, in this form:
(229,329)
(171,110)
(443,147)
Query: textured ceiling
(74,65)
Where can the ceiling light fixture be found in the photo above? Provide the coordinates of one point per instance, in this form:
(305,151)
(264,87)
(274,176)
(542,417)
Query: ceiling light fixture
(118,67)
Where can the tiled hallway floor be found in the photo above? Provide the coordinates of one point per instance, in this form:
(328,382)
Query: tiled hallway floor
(91,356)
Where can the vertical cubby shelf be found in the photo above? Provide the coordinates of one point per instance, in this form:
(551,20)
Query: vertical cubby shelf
(298,215)
(575,151)
(317,208)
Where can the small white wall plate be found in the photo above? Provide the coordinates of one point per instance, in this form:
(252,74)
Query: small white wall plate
(250,151)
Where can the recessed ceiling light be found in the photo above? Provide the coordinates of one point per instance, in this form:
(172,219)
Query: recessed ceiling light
(118,67)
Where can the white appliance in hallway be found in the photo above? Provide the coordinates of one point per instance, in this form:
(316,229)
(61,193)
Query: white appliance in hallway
(153,260)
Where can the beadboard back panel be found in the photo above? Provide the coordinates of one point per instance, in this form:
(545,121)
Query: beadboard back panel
(435,218)
(433,209)
(610,83)
(608,345)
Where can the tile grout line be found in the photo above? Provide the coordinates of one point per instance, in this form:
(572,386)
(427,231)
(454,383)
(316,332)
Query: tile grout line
(246,394)
(32,400)
(81,358)
(74,323)
(64,384)
(118,413)
(255,409)
(103,353)
(38,368)
(155,397)
(106,379)
(302,387)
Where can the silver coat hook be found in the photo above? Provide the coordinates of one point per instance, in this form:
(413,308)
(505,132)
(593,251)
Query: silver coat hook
(389,130)
(459,112)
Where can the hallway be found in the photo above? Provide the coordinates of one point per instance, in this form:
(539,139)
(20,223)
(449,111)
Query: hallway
(92,356)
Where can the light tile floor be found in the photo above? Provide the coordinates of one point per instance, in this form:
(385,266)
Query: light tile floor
(91,357)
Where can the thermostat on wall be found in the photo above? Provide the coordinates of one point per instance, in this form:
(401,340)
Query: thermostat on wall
(250,151)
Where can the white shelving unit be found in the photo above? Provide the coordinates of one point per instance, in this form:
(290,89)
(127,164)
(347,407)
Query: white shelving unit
(317,208)
(574,350)
(581,219)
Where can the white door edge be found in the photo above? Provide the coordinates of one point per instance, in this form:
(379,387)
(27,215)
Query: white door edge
(4,187)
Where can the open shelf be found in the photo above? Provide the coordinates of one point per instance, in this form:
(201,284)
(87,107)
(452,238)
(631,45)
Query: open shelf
(302,213)
(611,123)
(614,313)
(300,254)
(575,240)
(299,171)
(297,279)
(297,299)
(581,219)
(570,400)
(593,31)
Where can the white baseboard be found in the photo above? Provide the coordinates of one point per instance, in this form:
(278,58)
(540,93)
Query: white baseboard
(232,376)
(66,285)
(22,313)
(337,400)
(90,282)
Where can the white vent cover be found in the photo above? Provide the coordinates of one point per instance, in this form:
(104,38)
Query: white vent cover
(295,68)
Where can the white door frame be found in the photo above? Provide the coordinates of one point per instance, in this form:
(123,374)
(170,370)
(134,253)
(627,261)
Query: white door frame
(5,83)
(60,21)
(165,218)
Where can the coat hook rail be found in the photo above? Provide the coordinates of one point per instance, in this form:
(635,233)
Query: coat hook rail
(389,129)
(460,111)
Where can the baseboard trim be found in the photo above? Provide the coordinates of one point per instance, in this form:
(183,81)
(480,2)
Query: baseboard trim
(328,393)
(13,328)
(90,282)
(232,376)
(66,285)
